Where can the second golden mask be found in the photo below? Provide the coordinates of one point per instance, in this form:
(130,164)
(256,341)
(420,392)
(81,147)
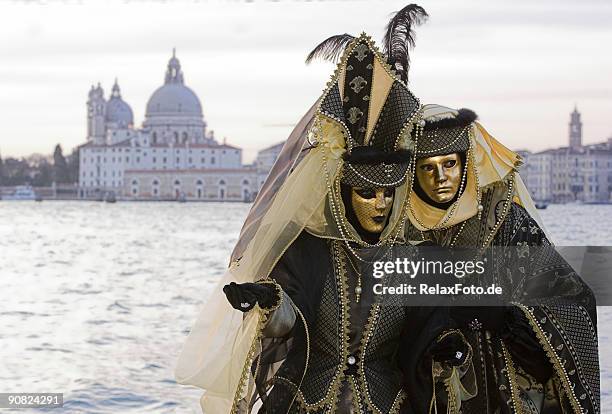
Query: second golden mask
(440,176)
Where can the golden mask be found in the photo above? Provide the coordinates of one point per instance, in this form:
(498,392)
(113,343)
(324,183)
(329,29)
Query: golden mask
(440,176)
(372,207)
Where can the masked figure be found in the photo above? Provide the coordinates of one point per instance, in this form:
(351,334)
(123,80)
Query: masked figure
(299,328)
(536,358)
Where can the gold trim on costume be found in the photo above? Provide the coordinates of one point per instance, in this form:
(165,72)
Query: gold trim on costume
(368,332)
(553,357)
(511,374)
(261,323)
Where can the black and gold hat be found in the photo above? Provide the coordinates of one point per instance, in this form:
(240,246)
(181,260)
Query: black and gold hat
(369,96)
(445,132)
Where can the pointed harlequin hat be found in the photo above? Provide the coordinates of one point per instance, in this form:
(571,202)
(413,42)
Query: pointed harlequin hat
(368,95)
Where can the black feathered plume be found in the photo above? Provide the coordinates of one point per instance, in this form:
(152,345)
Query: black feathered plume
(331,48)
(399,37)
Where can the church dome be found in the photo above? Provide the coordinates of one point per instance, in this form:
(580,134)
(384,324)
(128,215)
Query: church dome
(118,111)
(174,98)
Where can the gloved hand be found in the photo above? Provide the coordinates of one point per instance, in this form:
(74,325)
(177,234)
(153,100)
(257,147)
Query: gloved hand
(490,318)
(244,296)
(451,349)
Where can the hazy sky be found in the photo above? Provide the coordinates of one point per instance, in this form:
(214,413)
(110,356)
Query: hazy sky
(521,64)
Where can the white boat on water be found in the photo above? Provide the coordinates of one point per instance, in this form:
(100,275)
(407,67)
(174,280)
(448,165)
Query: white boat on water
(22,192)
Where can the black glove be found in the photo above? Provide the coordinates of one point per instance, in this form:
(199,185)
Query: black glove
(244,296)
(451,349)
(490,318)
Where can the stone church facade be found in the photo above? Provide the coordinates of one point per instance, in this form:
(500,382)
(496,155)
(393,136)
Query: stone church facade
(172,156)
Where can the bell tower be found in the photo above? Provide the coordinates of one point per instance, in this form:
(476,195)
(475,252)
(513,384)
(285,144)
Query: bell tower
(575,130)
(96,113)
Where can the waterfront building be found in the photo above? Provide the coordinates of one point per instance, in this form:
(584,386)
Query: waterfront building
(173,155)
(265,160)
(574,173)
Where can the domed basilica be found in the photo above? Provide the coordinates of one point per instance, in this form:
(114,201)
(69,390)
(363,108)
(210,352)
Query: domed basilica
(172,156)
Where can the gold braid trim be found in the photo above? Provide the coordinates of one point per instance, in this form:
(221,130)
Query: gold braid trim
(505,210)
(453,404)
(279,292)
(261,323)
(357,405)
(399,399)
(433,403)
(518,406)
(257,368)
(344,305)
(297,310)
(368,332)
(553,357)
(299,397)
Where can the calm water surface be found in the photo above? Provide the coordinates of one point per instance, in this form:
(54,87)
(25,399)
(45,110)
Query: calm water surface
(96,299)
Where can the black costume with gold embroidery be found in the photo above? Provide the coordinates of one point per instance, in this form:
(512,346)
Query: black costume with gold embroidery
(347,354)
(541,357)
(342,353)
(326,345)
(352,345)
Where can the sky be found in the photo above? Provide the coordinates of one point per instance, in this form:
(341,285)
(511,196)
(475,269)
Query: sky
(521,65)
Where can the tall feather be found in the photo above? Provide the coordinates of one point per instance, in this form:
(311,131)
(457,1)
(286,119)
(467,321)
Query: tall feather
(400,36)
(331,48)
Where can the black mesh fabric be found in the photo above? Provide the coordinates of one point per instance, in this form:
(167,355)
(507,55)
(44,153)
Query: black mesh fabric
(398,109)
(581,347)
(280,398)
(325,346)
(332,103)
(443,141)
(380,367)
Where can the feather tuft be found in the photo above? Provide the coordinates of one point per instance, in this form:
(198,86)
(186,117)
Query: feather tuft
(399,37)
(331,48)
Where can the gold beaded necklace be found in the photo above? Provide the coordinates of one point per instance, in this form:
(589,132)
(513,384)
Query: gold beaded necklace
(358,288)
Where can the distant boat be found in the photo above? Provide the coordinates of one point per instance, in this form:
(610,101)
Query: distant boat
(541,205)
(181,198)
(22,192)
(110,197)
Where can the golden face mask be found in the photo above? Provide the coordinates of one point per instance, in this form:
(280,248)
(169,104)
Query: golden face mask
(372,207)
(440,176)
